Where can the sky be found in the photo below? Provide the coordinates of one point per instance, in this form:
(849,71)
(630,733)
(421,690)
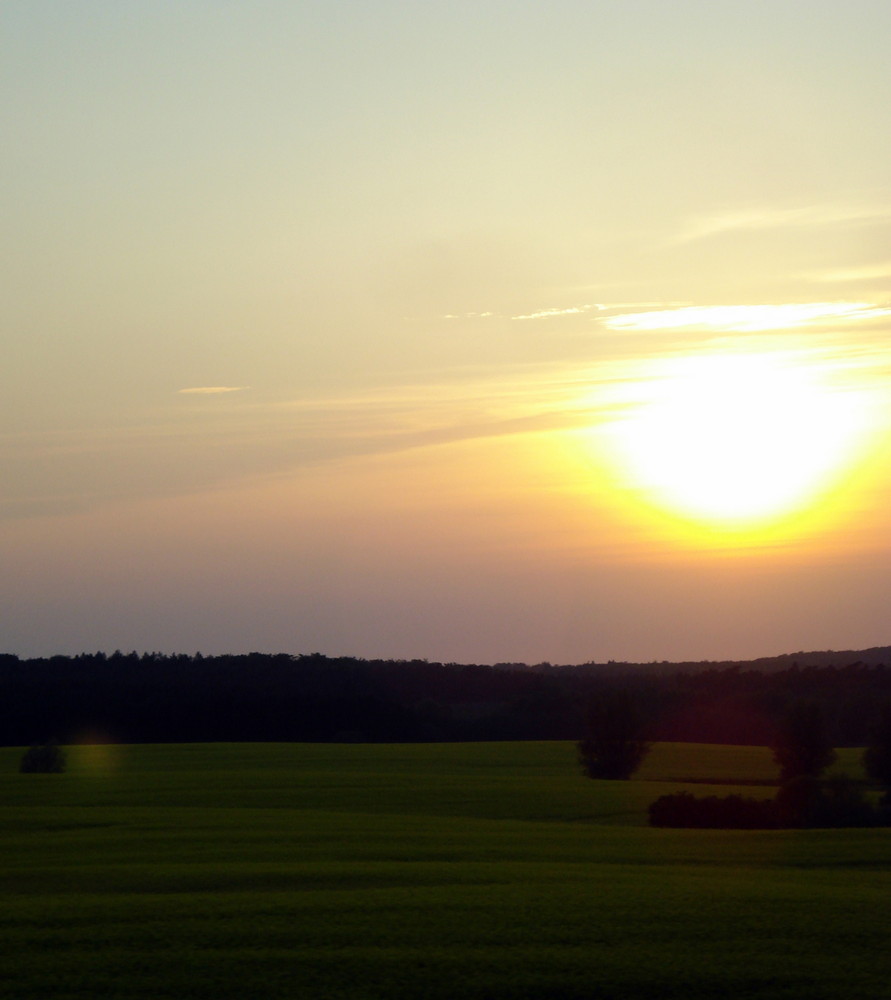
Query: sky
(476,332)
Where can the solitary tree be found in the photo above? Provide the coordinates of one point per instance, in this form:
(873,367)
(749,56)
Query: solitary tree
(802,746)
(877,756)
(48,758)
(612,747)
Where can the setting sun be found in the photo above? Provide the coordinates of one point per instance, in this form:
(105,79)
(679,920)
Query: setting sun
(738,441)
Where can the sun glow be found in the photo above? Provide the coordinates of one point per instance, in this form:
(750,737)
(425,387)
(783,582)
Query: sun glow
(738,442)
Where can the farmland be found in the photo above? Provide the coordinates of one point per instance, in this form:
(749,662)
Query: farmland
(488,870)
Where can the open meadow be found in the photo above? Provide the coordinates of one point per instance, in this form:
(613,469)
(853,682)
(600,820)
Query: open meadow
(491,871)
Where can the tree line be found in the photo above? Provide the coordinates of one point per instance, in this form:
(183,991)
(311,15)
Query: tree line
(153,697)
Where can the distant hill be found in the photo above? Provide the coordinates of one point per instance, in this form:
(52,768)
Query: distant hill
(875,656)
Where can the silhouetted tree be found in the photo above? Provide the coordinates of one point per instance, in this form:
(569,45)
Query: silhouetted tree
(806,801)
(613,746)
(802,747)
(843,803)
(877,755)
(48,758)
(797,801)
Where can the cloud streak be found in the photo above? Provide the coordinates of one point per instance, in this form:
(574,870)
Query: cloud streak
(747,318)
(568,311)
(201,449)
(212,390)
(874,272)
(782,218)
(72,471)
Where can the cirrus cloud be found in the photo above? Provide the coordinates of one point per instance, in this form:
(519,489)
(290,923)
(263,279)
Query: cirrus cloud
(781,218)
(747,318)
(211,390)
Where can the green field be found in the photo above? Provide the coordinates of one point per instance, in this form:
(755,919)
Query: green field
(485,871)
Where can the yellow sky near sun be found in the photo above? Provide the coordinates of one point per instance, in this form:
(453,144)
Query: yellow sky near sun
(729,441)
(743,443)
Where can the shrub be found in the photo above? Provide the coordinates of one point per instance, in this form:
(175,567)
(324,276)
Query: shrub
(46,758)
(731,812)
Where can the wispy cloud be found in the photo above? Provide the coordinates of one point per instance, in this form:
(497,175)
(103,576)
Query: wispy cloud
(199,448)
(778,218)
(211,390)
(567,311)
(469,315)
(747,318)
(595,307)
(553,312)
(196,450)
(873,272)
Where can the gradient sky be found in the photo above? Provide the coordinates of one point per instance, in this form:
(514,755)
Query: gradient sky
(492,331)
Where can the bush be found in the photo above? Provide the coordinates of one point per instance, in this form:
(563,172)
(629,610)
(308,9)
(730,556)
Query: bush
(48,758)
(732,812)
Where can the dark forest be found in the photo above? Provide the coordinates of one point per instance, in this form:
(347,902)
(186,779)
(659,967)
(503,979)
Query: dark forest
(150,697)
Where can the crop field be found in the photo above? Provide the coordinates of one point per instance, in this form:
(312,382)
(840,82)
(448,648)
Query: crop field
(491,871)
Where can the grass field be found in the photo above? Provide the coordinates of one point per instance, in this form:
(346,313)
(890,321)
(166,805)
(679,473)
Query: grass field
(484,871)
